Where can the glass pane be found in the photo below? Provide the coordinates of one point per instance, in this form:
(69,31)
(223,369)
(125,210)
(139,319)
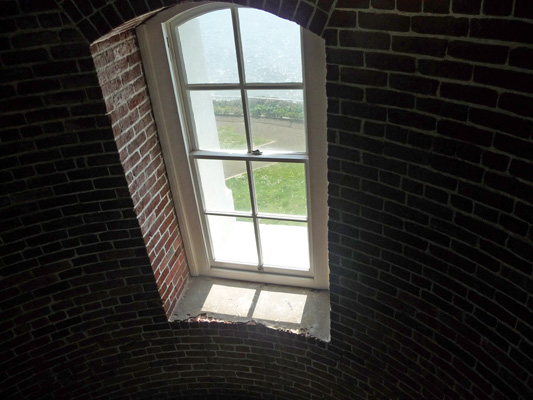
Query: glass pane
(271,47)
(280,188)
(284,244)
(277,120)
(232,239)
(224,185)
(208,47)
(218,120)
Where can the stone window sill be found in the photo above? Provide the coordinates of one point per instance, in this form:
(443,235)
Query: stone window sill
(298,310)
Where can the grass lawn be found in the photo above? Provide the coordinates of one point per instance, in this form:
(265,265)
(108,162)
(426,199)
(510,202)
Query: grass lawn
(280,189)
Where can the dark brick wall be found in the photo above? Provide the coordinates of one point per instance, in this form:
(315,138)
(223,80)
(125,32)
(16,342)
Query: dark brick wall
(430,132)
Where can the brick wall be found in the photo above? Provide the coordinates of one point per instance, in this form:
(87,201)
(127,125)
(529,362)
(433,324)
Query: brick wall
(118,65)
(430,132)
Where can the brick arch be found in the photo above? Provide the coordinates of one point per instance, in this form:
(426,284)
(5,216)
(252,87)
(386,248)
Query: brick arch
(430,253)
(95,23)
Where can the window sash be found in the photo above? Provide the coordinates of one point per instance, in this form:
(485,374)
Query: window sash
(195,154)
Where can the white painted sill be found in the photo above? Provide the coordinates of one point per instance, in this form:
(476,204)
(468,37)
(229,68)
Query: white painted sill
(296,310)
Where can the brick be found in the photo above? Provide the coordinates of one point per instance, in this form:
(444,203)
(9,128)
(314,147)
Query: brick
(495,160)
(437,6)
(353,3)
(457,168)
(318,22)
(448,26)
(404,153)
(363,76)
(514,146)
(465,132)
(345,57)
(421,140)
(486,213)
(445,69)
(362,198)
(461,203)
(444,146)
(69,51)
(303,14)
(509,185)
(523,9)
(521,169)
(442,108)
(505,123)
(373,129)
(513,225)
(469,94)
(494,7)
(521,57)
(501,29)
(24,57)
(343,19)
(521,105)
(487,53)
(345,92)
(409,118)
(383,4)
(34,39)
(396,133)
(49,20)
(524,212)
(383,191)
(344,123)
(389,97)
(410,6)
(506,79)
(331,37)
(363,110)
(391,62)
(469,152)
(385,22)
(419,45)
(385,163)
(365,40)
(415,84)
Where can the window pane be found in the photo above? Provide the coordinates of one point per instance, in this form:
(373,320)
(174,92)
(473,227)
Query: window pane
(208,47)
(277,120)
(271,47)
(280,188)
(232,239)
(224,185)
(218,120)
(284,244)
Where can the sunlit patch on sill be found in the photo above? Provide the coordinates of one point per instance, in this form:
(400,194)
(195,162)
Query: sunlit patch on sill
(297,310)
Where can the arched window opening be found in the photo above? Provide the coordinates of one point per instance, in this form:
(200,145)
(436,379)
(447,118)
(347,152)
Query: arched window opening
(239,99)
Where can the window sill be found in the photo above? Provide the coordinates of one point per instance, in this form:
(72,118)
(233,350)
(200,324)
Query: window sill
(297,310)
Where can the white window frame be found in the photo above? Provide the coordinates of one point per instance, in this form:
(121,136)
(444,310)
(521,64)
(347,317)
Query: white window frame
(168,110)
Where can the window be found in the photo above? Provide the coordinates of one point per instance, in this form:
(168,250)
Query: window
(239,99)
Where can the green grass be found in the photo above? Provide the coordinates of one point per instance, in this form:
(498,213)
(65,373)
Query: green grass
(265,108)
(280,189)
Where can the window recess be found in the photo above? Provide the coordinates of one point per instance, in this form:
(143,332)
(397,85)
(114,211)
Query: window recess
(244,138)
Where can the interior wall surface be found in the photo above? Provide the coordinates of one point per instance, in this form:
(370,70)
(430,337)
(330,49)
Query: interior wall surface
(430,136)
